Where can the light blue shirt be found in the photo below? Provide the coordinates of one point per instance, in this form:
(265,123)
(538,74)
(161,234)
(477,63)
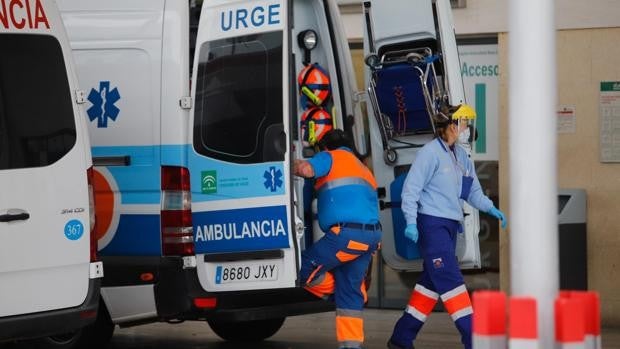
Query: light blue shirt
(433,184)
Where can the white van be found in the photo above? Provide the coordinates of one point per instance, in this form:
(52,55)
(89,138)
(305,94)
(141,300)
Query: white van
(49,275)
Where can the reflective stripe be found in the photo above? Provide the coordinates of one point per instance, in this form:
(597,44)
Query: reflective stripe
(456,300)
(350,344)
(349,312)
(349,327)
(454,292)
(415,313)
(341,182)
(461,313)
(423,300)
(425,291)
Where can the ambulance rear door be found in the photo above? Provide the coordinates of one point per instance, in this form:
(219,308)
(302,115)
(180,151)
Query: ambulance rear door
(44,159)
(409,27)
(238,156)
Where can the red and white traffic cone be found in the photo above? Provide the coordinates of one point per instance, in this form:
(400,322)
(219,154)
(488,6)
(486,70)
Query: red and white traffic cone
(593,321)
(569,322)
(523,324)
(489,320)
(591,316)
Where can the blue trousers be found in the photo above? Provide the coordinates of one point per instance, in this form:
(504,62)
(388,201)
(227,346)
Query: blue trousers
(334,268)
(441,278)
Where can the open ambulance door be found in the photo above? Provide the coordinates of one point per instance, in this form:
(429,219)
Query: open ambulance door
(412,68)
(238,148)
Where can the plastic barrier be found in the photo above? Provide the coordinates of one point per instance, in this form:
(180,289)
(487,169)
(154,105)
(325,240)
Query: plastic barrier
(523,323)
(489,321)
(591,316)
(577,321)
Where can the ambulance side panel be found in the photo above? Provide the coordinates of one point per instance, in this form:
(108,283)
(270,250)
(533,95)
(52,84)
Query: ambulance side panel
(45,268)
(133,60)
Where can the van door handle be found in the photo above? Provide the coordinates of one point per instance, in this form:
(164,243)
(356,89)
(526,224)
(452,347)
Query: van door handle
(14,215)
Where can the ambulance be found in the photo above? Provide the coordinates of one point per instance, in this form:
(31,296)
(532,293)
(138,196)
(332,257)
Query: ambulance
(49,273)
(196,113)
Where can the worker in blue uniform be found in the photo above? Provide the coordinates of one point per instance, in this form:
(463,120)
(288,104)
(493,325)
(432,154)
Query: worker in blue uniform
(440,179)
(348,213)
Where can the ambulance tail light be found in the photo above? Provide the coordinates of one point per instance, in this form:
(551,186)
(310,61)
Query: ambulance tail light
(177,233)
(90,175)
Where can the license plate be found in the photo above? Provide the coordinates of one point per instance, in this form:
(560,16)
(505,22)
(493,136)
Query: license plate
(246,272)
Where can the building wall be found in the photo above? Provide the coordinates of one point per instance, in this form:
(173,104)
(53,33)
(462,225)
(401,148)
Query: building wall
(584,59)
(483,17)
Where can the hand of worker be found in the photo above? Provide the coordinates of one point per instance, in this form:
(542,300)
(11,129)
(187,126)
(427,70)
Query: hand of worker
(302,168)
(411,232)
(499,215)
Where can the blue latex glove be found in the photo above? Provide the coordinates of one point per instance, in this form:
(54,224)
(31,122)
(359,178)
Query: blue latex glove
(499,215)
(411,232)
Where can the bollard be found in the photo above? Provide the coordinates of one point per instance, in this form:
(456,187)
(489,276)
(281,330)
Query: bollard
(569,322)
(591,316)
(489,320)
(523,324)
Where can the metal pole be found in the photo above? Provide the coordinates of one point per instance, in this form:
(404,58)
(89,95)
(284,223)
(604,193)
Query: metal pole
(533,185)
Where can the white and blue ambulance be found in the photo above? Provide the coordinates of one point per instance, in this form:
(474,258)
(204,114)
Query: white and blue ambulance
(197,213)
(49,273)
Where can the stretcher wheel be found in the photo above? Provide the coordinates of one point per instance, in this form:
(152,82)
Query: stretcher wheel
(390,156)
(372,61)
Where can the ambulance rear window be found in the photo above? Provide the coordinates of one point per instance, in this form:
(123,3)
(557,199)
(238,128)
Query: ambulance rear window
(37,126)
(238,110)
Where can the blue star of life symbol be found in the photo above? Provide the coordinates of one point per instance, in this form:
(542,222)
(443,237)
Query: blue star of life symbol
(103,107)
(273,179)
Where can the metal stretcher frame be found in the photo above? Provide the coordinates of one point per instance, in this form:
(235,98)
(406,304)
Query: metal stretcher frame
(420,61)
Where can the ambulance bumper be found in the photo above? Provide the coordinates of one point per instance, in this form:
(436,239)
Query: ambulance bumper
(52,322)
(177,288)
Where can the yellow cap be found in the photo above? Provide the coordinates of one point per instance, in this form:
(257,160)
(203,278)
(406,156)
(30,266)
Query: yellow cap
(464,111)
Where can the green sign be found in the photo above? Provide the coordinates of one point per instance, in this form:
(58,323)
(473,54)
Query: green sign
(209,182)
(610,86)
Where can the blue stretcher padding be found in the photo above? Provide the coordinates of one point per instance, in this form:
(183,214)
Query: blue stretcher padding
(406,78)
(405,248)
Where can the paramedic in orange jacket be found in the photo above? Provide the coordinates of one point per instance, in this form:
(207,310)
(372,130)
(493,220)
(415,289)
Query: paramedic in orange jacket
(348,213)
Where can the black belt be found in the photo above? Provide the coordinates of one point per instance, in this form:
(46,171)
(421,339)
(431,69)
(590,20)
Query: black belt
(360,226)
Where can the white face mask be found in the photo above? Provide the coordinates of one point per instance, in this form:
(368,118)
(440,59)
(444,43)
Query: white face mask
(464,136)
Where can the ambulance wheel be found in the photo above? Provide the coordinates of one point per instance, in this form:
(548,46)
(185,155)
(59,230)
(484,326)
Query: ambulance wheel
(390,156)
(98,334)
(246,331)
(94,336)
(59,341)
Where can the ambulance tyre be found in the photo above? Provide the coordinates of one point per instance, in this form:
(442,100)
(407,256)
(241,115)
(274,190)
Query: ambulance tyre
(246,331)
(94,336)
(98,334)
